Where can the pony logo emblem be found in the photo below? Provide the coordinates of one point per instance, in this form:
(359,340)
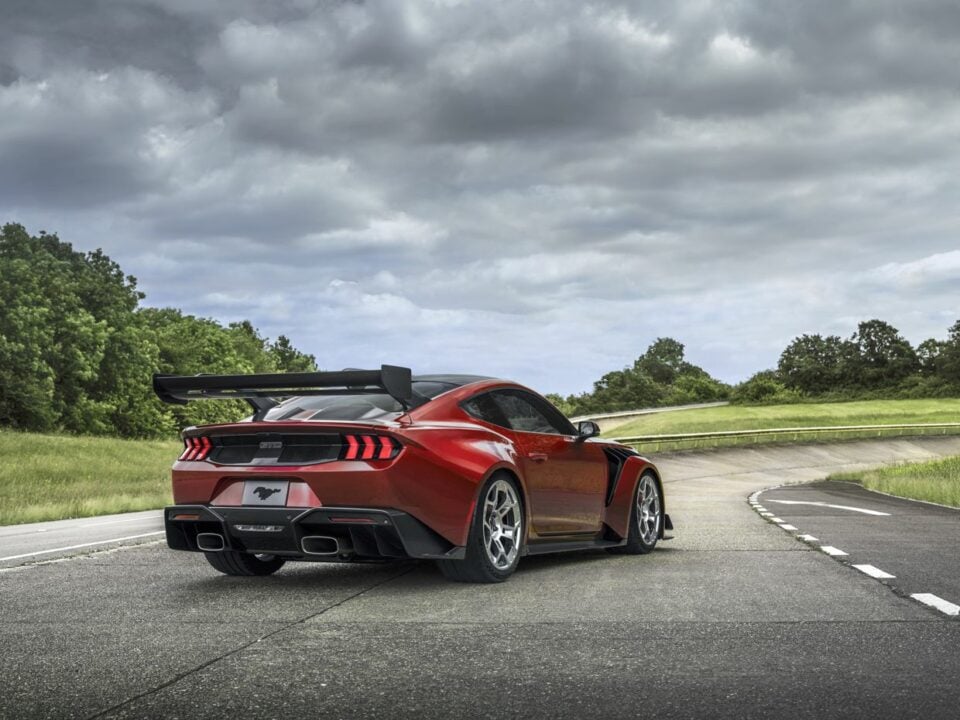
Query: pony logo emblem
(264,492)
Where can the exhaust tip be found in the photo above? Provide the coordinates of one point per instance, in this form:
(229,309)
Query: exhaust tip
(211,542)
(320,545)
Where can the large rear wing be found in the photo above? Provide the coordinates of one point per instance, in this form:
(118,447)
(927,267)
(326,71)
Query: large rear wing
(261,390)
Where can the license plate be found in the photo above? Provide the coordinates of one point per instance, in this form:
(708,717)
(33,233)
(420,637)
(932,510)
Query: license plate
(265,492)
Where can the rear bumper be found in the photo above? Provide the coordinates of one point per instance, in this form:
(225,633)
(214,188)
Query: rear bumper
(361,533)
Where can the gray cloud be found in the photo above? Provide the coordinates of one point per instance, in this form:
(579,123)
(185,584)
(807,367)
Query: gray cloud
(531,189)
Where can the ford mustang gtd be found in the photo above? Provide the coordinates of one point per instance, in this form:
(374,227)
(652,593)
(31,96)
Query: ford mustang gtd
(374,465)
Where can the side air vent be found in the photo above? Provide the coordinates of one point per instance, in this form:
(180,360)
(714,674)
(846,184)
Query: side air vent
(616,458)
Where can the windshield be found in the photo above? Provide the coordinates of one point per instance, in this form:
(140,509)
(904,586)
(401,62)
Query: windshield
(374,406)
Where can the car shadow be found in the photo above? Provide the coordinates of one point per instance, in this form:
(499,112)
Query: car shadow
(359,576)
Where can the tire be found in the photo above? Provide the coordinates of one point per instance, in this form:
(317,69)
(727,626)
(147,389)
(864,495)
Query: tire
(231,562)
(496,536)
(646,518)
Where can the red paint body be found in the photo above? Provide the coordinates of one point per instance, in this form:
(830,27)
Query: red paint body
(446,456)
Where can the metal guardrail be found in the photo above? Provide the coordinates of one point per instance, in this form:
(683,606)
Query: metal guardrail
(703,439)
(611,421)
(647,411)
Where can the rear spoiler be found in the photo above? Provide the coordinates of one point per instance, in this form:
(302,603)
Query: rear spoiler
(260,390)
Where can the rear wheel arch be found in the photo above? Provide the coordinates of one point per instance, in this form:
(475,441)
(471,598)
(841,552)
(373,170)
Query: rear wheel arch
(511,474)
(486,558)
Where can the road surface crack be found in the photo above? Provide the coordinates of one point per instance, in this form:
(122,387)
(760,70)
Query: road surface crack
(204,665)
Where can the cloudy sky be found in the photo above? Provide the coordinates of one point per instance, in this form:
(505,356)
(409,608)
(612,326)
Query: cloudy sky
(529,189)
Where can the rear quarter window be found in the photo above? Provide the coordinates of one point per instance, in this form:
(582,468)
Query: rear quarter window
(483,407)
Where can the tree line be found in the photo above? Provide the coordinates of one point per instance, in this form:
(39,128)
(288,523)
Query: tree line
(660,377)
(876,362)
(77,349)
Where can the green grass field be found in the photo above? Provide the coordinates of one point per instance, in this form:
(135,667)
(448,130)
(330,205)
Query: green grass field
(739,417)
(937,481)
(50,477)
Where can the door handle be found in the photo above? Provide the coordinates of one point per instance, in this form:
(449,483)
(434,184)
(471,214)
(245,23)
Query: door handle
(538,457)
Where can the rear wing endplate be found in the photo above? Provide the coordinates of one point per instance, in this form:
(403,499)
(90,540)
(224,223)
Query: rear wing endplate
(260,390)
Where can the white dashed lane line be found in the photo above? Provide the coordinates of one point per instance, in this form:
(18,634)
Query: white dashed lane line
(929,599)
(832,551)
(874,572)
(947,608)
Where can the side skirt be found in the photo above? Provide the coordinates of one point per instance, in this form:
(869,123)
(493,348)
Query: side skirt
(555,546)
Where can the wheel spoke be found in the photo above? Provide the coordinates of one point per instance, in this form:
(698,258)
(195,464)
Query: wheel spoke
(648,510)
(501,524)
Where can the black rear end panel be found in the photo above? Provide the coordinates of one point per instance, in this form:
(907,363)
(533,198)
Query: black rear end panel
(275,448)
(364,534)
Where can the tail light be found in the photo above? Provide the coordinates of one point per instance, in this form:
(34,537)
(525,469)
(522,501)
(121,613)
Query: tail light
(369,447)
(196,448)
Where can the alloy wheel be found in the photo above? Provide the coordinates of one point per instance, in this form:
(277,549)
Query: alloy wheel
(648,510)
(502,524)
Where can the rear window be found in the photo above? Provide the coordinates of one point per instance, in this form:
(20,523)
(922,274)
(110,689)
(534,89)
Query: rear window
(374,406)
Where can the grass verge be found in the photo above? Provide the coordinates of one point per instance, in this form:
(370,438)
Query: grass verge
(937,481)
(745,417)
(51,477)
(739,417)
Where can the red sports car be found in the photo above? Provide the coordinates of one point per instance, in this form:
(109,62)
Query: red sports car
(374,465)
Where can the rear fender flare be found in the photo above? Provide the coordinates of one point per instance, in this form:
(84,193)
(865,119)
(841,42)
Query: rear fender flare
(507,469)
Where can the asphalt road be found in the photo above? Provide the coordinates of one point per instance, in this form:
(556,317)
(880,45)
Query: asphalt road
(733,618)
(33,542)
(913,548)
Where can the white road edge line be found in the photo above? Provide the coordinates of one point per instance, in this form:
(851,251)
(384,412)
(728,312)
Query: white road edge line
(787,526)
(865,511)
(777,520)
(82,545)
(874,572)
(831,550)
(81,526)
(947,608)
(807,538)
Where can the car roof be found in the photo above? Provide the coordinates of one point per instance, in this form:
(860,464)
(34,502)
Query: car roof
(452,379)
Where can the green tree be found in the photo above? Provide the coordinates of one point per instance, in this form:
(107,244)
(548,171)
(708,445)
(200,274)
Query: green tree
(663,361)
(929,355)
(814,364)
(77,352)
(252,347)
(661,376)
(61,309)
(948,360)
(288,359)
(763,387)
(883,357)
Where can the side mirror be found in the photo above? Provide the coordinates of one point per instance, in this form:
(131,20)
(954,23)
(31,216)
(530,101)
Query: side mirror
(587,429)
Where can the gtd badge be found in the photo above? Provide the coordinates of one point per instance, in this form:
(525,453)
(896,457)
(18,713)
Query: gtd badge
(271,445)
